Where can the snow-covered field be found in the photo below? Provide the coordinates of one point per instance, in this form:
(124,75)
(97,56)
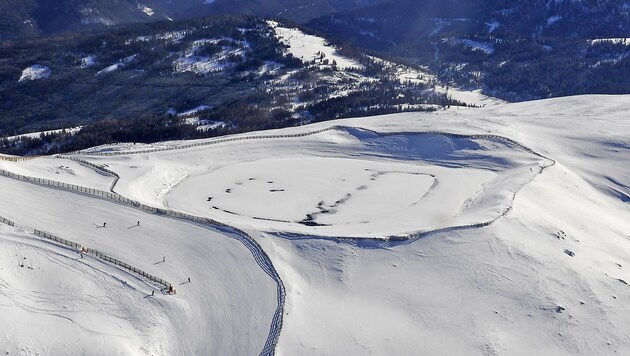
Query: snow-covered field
(309,47)
(517,215)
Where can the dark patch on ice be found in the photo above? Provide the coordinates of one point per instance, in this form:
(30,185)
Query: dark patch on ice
(561,235)
(223,210)
(310,221)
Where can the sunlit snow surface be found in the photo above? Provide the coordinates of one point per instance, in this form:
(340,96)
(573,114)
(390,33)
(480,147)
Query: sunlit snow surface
(550,177)
(309,47)
(35,72)
(352,182)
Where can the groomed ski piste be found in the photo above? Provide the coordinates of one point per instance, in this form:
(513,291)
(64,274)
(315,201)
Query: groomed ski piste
(496,231)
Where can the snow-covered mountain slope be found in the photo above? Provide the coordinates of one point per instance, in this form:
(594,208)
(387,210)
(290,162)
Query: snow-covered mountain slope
(82,304)
(517,217)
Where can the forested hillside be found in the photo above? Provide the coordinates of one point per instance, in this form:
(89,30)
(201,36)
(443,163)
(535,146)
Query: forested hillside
(196,78)
(516,50)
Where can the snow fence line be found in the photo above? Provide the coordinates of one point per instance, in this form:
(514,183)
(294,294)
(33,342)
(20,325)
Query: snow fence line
(95,166)
(17,158)
(6,221)
(205,143)
(260,256)
(103,257)
(94,252)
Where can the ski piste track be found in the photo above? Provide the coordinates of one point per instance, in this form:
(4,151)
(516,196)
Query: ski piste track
(82,249)
(260,256)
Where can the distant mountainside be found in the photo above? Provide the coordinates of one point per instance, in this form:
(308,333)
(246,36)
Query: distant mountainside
(20,18)
(517,50)
(397,22)
(295,10)
(193,78)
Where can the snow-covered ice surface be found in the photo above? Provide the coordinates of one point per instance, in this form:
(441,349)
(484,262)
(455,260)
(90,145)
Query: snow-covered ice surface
(548,275)
(352,183)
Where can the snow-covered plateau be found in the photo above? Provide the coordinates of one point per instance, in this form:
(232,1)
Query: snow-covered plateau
(502,230)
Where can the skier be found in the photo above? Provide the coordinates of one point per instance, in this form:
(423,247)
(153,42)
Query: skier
(164,259)
(153,292)
(188,279)
(104,224)
(138,223)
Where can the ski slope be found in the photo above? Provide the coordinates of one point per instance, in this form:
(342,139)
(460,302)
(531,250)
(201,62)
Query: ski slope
(223,275)
(503,230)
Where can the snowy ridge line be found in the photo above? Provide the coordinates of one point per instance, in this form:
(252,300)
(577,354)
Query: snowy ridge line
(491,137)
(260,256)
(103,257)
(96,253)
(301,134)
(205,143)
